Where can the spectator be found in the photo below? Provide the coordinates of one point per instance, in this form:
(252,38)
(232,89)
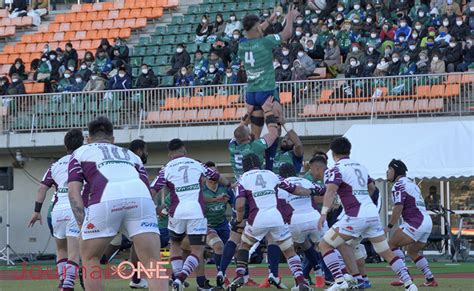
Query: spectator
(283,72)
(461,30)
(314,52)
(102,63)
(121,81)
(357,53)
(382,68)
(96,83)
(180,59)
(354,70)
(408,67)
(84,72)
(213,76)
(79,84)
(104,46)
(67,83)
(16,87)
(89,60)
(70,54)
(218,28)
(55,65)
(215,60)
(368,70)
(44,69)
(183,78)
(394,66)
(4,83)
(423,66)
(229,77)
(203,30)
(18,68)
(299,73)
(437,65)
(306,62)
(232,25)
(147,78)
(453,56)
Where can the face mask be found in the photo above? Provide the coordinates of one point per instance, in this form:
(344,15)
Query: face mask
(78,80)
(314,20)
(452,44)
(94,77)
(406,59)
(299,21)
(236,36)
(232,18)
(212,70)
(307,12)
(14,80)
(395,60)
(369,20)
(373,35)
(204,21)
(445,23)
(370,64)
(121,75)
(52,57)
(340,9)
(285,53)
(418,27)
(145,71)
(435,59)
(371,49)
(353,63)
(421,14)
(179,50)
(459,22)
(300,54)
(402,39)
(285,67)
(355,49)
(71,69)
(357,7)
(228,75)
(183,72)
(67,76)
(43,59)
(403,24)
(298,33)
(83,66)
(412,47)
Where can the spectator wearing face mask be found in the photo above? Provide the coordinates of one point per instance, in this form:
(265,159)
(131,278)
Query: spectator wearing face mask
(408,66)
(387,32)
(404,30)
(203,30)
(121,81)
(382,68)
(67,82)
(307,62)
(180,59)
(102,63)
(183,78)
(394,65)
(423,63)
(84,72)
(147,78)
(460,30)
(96,83)
(437,65)
(234,42)
(18,67)
(314,52)
(232,25)
(229,77)
(299,72)
(79,84)
(372,53)
(354,70)
(16,87)
(453,56)
(213,76)
(356,53)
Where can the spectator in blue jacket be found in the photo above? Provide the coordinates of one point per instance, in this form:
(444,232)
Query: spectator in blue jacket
(403,29)
(121,81)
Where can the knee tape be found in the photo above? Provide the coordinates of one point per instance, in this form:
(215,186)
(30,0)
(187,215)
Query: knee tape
(359,252)
(333,238)
(286,244)
(381,246)
(258,121)
(213,241)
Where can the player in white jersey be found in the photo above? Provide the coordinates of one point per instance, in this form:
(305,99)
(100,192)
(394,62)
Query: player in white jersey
(184,176)
(416,227)
(349,180)
(117,198)
(260,188)
(65,228)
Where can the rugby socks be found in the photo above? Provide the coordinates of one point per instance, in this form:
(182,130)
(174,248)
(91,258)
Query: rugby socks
(295,266)
(60,265)
(341,262)
(189,265)
(270,154)
(217,260)
(176,265)
(398,266)
(70,276)
(422,264)
(332,261)
(201,280)
(228,253)
(242,257)
(399,253)
(273,252)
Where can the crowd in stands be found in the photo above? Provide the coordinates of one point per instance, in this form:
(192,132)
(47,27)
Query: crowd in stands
(350,37)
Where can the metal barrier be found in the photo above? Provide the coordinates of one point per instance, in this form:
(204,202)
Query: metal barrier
(407,96)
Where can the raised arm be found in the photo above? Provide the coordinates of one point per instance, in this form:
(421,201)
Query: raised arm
(287,32)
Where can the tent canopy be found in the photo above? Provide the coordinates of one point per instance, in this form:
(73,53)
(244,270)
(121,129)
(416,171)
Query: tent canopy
(430,150)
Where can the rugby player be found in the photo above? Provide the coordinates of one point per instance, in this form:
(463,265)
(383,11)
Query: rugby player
(349,180)
(65,228)
(265,217)
(416,227)
(182,175)
(118,198)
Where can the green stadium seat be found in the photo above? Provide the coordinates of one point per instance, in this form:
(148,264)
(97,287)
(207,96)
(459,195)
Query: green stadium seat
(152,50)
(139,51)
(167,81)
(144,41)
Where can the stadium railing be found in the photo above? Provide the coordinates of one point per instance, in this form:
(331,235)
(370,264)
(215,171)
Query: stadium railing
(334,99)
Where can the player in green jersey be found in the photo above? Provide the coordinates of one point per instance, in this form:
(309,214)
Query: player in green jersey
(290,152)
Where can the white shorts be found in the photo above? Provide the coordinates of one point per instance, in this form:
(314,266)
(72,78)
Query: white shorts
(278,233)
(132,216)
(365,227)
(419,234)
(188,226)
(301,231)
(64,224)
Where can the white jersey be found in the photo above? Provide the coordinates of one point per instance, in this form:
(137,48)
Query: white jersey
(56,176)
(405,192)
(111,173)
(352,179)
(260,188)
(303,208)
(183,177)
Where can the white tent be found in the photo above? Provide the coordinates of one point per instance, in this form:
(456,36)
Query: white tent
(430,150)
